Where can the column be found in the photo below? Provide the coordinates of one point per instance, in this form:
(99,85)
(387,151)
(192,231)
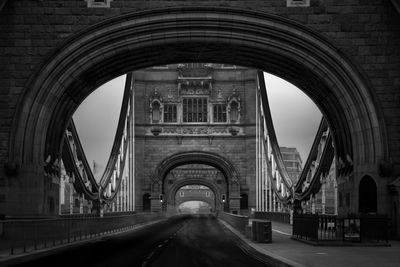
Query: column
(323,195)
(132,150)
(257,141)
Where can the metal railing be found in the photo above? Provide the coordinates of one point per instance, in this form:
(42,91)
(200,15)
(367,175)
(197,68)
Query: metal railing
(23,235)
(331,228)
(283,217)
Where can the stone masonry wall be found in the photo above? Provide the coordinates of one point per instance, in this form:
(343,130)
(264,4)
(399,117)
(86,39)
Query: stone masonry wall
(367,31)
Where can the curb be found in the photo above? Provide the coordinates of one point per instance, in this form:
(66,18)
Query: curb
(269,257)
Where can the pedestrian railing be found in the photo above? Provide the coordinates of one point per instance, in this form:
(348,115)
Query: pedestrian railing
(283,217)
(352,229)
(23,235)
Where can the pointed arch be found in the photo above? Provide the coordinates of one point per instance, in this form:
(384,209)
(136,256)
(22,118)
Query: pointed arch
(367,197)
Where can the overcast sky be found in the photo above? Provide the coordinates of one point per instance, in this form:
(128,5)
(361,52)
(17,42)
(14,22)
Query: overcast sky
(295,117)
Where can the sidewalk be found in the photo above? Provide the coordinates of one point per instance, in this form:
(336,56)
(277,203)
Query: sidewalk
(298,254)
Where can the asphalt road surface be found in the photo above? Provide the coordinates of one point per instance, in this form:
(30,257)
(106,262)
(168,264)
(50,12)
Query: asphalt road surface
(188,241)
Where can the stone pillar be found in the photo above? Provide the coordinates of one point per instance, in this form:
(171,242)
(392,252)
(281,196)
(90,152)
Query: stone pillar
(234,204)
(312,200)
(31,196)
(323,194)
(156,205)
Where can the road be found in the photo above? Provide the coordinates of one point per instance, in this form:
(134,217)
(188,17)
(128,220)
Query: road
(180,241)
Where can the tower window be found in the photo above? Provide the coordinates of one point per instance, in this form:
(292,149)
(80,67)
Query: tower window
(170,113)
(195,110)
(234,114)
(219,113)
(156,112)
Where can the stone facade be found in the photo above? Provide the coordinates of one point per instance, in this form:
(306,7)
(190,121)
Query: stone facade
(293,162)
(195,107)
(344,55)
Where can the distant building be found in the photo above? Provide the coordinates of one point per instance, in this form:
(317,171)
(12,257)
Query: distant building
(293,163)
(71,202)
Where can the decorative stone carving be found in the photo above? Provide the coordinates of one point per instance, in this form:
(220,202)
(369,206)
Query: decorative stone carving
(156,130)
(193,130)
(98,3)
(233,107)
(155,101)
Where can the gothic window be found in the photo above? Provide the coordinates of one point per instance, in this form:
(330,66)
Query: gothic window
(234,111)
(155,115)
(219,113)
(195,110)
(170,113)
(195,65)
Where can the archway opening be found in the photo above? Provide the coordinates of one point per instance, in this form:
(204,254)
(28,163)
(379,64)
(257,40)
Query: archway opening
(367,195)
(195,182)
(195,207)
(198,199)
(259,40)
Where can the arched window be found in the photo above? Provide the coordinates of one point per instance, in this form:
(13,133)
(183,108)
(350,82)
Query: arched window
(244,201)
(234,113)
(367,197)
(155,112)
(146,202)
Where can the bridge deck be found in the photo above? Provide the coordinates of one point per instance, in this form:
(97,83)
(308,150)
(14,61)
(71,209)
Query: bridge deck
(282,248)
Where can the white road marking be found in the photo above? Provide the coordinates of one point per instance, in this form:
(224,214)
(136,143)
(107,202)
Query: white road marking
(280,232)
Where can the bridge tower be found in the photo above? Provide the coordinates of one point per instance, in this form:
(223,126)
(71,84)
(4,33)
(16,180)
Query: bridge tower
(191,108)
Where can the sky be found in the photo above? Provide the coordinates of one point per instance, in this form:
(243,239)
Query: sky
(96,121)
(295,117)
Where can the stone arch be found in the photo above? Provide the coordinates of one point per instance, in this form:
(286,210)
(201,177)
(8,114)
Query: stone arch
(367,197)
(170,196)
(255,39)
(197,157)
(232,177)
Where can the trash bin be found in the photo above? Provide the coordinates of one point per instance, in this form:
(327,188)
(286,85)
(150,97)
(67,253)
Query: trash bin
(262,231)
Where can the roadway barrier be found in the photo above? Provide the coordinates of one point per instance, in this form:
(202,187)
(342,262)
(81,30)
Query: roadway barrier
(238,222)
(31,234)
(262,231)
